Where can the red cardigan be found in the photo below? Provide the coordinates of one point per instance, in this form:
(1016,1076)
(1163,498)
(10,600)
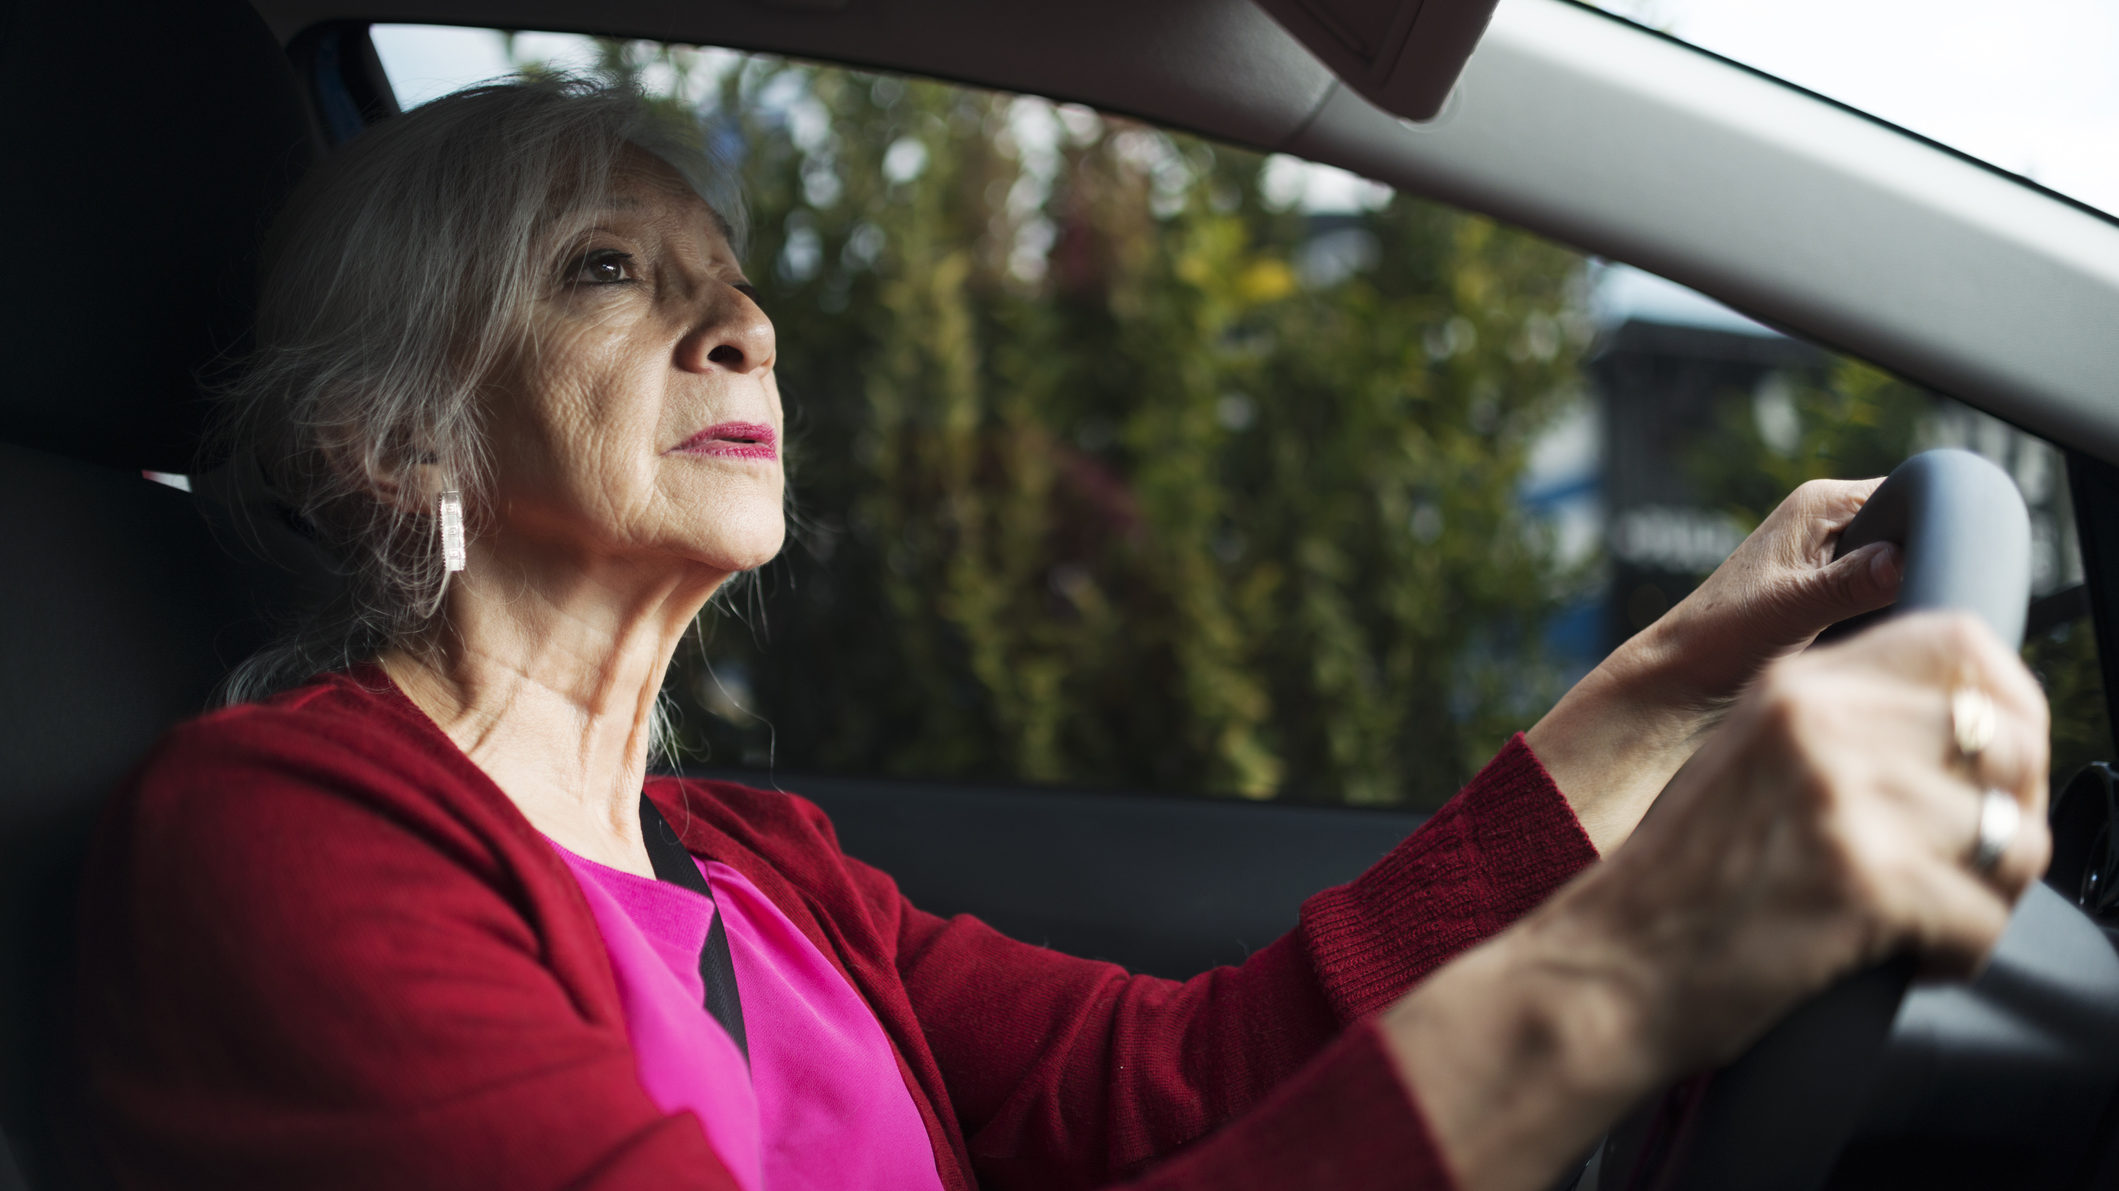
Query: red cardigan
(322,949)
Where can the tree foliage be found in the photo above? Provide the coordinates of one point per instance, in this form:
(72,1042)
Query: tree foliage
(1110,465)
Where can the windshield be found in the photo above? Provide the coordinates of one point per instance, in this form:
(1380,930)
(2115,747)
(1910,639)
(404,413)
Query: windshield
(2030,87)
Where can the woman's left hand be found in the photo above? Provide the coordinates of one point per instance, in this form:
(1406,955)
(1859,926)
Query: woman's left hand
(1615,740)
(1769,599)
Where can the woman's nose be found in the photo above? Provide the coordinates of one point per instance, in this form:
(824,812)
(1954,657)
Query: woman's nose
(733,336)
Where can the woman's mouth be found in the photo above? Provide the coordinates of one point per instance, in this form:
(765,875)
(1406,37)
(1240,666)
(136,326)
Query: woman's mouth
(732,440)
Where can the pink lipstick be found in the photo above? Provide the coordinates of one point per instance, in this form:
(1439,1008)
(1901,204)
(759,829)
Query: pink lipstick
(733,440)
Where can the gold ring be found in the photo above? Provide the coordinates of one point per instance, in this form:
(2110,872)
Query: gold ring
(1973,722)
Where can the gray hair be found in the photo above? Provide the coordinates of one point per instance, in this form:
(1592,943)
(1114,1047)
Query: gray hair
(396,283)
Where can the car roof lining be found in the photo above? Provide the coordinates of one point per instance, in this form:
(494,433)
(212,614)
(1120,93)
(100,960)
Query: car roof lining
(1240,77)
(1567,123)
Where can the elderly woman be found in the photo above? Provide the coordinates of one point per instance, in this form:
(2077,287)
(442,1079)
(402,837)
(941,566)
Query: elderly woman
(413,913)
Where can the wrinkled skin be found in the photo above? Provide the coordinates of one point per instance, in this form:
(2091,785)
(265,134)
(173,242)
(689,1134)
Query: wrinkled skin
(1823,826)
(1775,593)
(1826,828)
(1615,739)
(602,535)
(646,334)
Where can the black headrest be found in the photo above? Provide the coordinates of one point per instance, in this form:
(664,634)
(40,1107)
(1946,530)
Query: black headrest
(147,145)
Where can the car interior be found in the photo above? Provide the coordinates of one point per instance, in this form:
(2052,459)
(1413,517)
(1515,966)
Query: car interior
(151,142)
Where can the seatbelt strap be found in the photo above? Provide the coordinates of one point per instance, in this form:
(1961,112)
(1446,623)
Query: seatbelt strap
(716,970)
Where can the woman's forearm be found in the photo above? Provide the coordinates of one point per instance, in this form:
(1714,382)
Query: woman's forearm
(1617,738)
(1522,1052)
(1526,1049)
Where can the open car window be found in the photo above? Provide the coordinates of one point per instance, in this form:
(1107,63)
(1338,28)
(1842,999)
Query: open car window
(1124,459)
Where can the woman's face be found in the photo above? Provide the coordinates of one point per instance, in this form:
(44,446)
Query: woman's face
(642,421)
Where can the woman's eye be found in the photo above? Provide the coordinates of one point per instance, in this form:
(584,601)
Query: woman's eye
(604,266)
(750,291)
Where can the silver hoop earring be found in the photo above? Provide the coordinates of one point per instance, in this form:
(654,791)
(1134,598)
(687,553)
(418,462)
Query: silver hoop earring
(450,512)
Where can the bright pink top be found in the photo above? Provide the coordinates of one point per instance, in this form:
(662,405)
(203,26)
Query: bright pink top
(822,1104)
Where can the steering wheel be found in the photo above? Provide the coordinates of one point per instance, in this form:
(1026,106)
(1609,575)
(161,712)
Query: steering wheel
(1778,1117)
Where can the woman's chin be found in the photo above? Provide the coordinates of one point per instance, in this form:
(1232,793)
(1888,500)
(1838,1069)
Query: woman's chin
(734,553)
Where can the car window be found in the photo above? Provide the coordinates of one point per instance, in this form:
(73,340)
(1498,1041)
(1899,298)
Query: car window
(1124,459)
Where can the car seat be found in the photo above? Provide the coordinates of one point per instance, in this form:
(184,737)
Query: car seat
(147,144)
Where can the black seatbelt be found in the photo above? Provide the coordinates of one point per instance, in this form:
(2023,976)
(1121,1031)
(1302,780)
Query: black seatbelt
(675,865)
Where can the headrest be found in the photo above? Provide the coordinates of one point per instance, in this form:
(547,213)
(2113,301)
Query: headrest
(147,146)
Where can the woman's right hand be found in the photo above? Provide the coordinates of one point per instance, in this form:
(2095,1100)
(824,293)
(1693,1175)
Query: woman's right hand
(1827,825)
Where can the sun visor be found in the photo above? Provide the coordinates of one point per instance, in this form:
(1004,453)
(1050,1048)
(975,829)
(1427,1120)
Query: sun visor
(1403,55)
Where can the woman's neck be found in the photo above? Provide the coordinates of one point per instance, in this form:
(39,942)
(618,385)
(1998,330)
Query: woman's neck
(548,679)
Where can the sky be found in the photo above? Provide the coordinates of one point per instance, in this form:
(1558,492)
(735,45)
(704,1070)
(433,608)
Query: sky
(425,61)
(2031,86)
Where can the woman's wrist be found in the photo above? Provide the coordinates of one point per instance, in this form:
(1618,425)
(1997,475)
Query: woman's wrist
(1618,736)
(1523,1051)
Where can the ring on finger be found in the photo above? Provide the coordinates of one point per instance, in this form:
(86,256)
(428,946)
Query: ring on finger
(2000,817)
(1973,722)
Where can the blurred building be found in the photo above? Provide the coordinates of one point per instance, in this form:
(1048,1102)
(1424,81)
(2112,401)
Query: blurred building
(1665,362)
(1615,483)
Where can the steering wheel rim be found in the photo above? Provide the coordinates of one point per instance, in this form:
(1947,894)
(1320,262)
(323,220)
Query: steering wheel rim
(1777,1118)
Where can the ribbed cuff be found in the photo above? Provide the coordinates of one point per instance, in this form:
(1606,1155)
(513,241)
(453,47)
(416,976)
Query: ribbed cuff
(1500,847)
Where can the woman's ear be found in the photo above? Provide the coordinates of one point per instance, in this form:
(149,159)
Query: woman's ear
(409,481)
(420,487)
(410,487)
